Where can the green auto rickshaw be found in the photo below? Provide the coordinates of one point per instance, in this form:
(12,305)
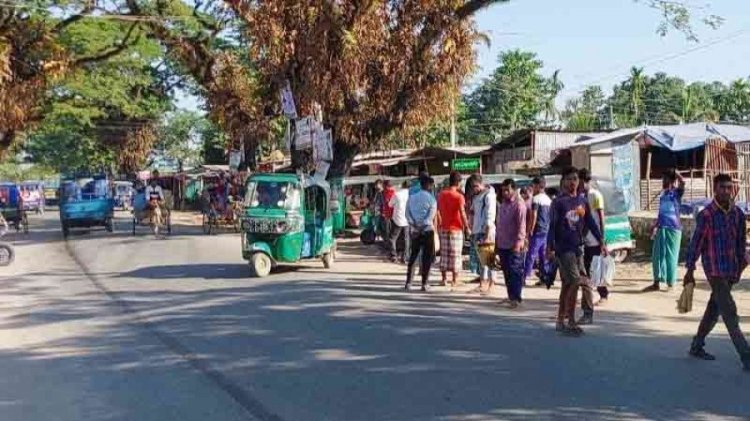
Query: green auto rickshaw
(286,219)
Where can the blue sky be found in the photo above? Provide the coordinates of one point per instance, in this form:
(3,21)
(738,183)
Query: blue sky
(597,41)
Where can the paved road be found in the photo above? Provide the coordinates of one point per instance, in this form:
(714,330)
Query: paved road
(119,327)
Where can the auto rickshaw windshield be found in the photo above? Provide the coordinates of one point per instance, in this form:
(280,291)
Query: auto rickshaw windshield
(272,195)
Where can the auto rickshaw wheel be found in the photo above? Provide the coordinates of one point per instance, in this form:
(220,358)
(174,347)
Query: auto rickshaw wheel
(66,231)
(620,256)
(368,236)
(109,225)
(7,255)
(260,265)
(328,259)
(25,224)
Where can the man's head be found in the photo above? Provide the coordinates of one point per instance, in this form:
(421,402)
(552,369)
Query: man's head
(668,179)
(508,189)
(454,179)
(537,185)
(405,185)
(584,179)
(476,185)
(525,193)
(154,178)
(426,183)
(569,180)
(723,189)
(378,185)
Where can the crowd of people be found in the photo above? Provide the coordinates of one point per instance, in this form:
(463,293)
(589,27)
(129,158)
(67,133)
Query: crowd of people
(560,230)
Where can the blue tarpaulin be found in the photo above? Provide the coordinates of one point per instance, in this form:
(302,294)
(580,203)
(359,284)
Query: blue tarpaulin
(679,137)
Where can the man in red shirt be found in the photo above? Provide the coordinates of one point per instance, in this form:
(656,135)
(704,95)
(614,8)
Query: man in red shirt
(452,224)
(387,211)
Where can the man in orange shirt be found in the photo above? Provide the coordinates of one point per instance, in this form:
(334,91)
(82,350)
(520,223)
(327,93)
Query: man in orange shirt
(452,224)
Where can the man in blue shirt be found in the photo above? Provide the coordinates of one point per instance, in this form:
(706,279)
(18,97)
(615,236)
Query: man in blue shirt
(538,226)
(421,209)
(667,232)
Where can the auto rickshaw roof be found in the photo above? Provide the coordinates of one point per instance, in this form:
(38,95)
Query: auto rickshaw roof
(275,177)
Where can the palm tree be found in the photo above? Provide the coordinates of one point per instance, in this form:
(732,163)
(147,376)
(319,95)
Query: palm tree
(555,87)
(637,88)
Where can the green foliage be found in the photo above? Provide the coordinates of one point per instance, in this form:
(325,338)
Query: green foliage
(585,113)
(15,172)
(179,137)
(514,96)
(88,113)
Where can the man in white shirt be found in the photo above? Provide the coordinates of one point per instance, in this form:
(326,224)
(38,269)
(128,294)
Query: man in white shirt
(592,247)
(400,224)
(155,197)
(484,209)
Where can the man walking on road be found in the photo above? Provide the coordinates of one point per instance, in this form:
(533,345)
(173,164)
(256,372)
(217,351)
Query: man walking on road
(452,224)
(538,226)
(399,223)
(511,240)
(420,212)
(484,209)
(570,214)
(667,232)
(592,246)
(719,239)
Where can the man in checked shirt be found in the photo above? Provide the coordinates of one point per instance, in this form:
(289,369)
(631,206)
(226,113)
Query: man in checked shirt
(719,239)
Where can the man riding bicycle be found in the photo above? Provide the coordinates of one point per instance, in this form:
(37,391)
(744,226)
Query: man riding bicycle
(155,198)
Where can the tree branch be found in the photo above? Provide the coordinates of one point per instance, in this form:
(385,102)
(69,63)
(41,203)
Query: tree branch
(88,8)
(472,6)
(111,52)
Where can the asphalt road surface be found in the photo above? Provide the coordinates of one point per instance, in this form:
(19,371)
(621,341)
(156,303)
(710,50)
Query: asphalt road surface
(121,327)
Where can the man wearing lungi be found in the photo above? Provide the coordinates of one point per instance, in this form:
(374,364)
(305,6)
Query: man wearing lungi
(452,224)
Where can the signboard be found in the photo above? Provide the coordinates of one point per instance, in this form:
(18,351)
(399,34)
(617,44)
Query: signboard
(323,145)
(466,164)
(287,101)
(235,158)
(303,132)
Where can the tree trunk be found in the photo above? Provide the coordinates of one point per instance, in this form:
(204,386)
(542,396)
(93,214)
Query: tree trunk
(6,141)
(343,158)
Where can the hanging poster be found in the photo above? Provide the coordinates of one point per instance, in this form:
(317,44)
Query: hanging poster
(622,172)
(287,101)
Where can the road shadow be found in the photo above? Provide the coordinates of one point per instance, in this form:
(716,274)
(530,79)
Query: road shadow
(188,271)
(364,349)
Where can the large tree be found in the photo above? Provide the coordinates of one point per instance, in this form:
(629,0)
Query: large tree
(35,50)
(103,115)
(374,68)
(516,95)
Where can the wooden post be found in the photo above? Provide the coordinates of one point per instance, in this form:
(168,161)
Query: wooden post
(706,176)
(648,181)
(691,182)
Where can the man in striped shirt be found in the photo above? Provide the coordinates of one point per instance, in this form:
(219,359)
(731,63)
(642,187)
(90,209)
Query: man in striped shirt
(719,239)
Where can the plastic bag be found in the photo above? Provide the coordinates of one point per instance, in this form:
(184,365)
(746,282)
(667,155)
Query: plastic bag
(596,272)
(608,271)
(602,271)
(685,302)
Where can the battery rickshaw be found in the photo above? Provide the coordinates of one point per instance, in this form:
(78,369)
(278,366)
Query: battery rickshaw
(286,219)
(85,202)
(11,207)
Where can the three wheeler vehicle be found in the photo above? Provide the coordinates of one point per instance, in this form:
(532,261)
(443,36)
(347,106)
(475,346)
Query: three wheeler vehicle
(32,193)
(286,219)
(148,212)
(85,202)
(123,194)
(11,207)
